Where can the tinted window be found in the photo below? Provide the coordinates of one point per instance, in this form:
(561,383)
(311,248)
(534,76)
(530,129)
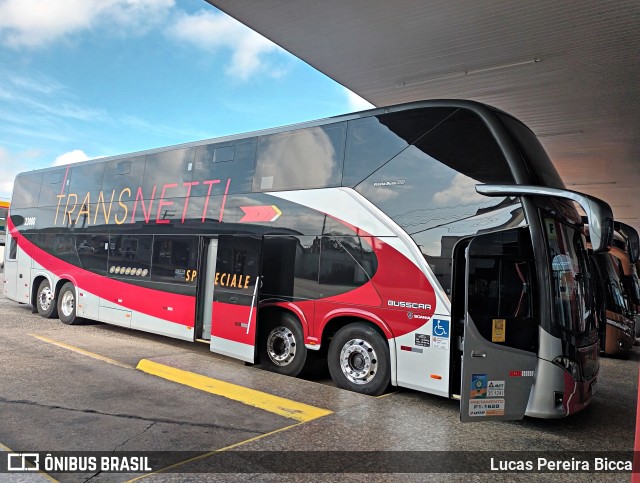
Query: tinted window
(227,162)
(122,174)
(345,263)
(372,141)
(369,145)
(501,290)
(13,248)
(306,158)
(237,265)
(54,184)
(93,251)
(171,171)
(429,187)
(464,143)
(26,190)
(130,256)
(540,167)
(85,180)
(290,267)
(615,300)
(175,259)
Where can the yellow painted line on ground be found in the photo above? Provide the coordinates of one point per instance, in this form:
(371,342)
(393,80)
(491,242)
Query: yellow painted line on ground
(274,404)
(211,453)
(29,473)
(82,351)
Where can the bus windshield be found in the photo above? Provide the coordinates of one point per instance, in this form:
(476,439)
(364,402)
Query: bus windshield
(614,291)
(572,286)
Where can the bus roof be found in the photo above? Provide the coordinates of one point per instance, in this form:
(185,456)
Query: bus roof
(453,103)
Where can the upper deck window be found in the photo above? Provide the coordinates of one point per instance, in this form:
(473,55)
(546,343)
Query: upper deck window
(432,182)
(230,162)
(305,158)
(26,190)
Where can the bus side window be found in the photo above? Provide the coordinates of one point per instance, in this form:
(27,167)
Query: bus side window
(305,158)
(175,259)
(93,252)
(130,256)
(345,262)
(13,248)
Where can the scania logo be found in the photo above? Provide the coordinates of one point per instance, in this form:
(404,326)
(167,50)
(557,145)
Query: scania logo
(410,315)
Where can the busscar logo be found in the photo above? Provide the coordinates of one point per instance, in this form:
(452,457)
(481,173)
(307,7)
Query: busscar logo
(23,462)
(408,305)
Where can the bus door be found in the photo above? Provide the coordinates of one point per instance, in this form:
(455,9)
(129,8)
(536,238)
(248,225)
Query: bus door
(500,342)
(17,272)
(231,295)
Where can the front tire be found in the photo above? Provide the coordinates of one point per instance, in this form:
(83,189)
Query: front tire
(46,300)
(67,304)
(359,360)
(282,348)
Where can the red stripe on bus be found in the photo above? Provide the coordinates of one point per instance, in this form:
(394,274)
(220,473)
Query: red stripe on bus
(139,299)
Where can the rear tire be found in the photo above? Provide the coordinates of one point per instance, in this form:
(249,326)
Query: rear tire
(282,348)
(359,360)
(46,300)
(67,304)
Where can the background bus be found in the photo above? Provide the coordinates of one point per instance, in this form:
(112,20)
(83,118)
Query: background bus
(430,245)
(4,213)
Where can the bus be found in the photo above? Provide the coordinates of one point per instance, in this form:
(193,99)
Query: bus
(429,245)
(4,211)
(624,254)
(617,333)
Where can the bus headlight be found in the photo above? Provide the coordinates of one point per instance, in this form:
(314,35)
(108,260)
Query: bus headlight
(568,365)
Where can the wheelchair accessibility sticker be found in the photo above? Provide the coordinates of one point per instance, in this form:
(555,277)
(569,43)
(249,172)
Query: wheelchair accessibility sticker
(440,334)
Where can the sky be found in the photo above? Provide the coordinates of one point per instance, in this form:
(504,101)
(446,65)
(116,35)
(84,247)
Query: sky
(82,79)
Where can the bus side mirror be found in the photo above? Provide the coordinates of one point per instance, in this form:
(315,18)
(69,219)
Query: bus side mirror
(598,212)
(633,240)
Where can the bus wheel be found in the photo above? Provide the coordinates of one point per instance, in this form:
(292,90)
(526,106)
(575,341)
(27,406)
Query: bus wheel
(282,348)
(359,360)
(67,304)
(46,301)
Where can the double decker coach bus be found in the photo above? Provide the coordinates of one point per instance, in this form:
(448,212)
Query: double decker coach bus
(4,212)
(429,245)
(617,290)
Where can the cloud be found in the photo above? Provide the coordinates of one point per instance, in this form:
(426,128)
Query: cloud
(11,164)
(357,103)
(74,156)
(214,32)
(462,191)
(35,23)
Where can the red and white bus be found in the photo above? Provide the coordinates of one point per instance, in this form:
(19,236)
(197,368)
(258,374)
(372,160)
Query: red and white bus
(429,245)
(4,213)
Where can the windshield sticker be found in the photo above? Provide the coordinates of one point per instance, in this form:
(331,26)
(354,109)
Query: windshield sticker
(478,386)
(486,407)
(495,389)
(498,332)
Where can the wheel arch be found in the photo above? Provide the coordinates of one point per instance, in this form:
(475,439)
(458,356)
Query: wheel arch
(283,307)
(35,285)
(338,318)
(61,283)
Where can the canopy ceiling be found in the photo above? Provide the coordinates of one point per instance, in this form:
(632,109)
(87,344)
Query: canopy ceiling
(570,70)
